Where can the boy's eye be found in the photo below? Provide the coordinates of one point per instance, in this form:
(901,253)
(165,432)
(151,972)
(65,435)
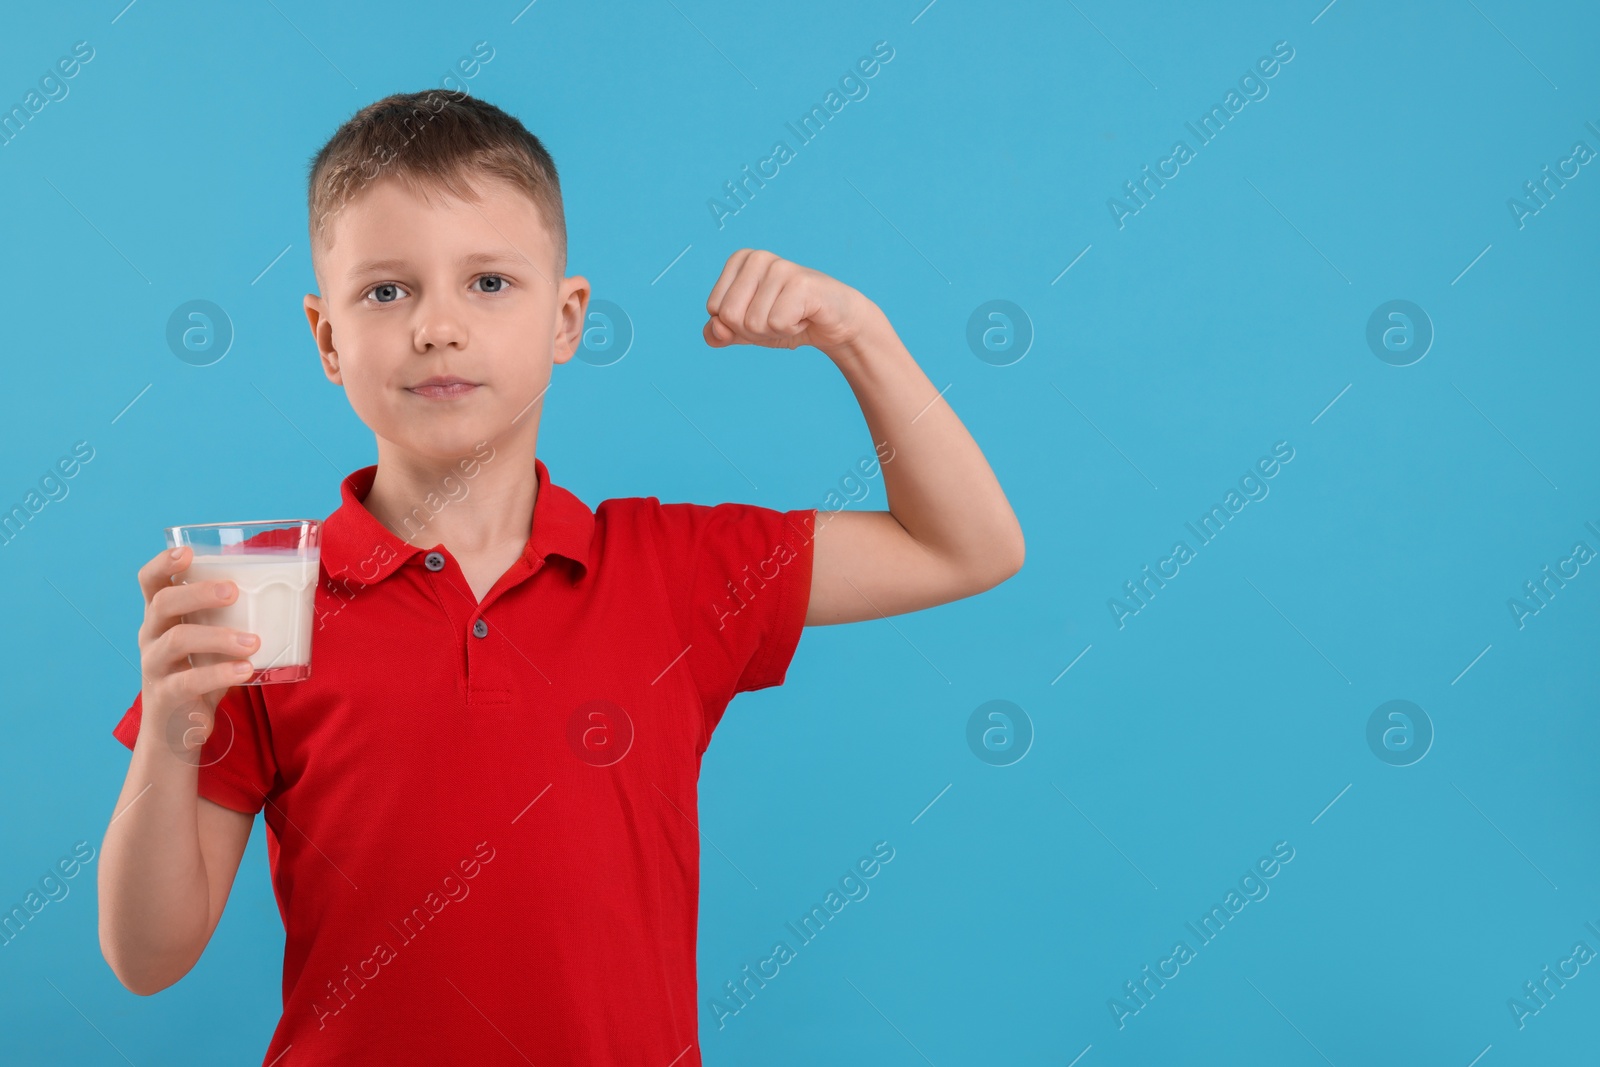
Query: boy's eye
(388,292)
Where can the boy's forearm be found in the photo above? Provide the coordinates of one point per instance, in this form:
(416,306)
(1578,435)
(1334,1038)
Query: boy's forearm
(939,485)
(154,895)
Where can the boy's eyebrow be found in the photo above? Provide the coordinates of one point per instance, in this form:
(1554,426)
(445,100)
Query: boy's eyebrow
(472,259)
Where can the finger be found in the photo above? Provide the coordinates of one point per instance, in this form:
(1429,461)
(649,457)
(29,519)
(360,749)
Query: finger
(737,298)
(789,312)
(168,605)
(716,334)
(198,681)
(157,574)
(172,649)
(169,654)
(779,277)
(730,270)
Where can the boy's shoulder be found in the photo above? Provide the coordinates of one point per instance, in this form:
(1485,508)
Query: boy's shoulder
(652,509)
(651,516)
(653,506)
(682,527)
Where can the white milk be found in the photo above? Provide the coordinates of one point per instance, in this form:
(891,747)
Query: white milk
(276,602)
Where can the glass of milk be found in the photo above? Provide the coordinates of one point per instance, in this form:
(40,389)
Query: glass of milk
(275,565)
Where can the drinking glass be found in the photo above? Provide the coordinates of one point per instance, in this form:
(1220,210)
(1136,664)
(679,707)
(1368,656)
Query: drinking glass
(274,563)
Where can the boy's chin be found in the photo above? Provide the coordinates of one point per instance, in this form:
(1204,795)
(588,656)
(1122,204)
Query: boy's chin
(445,443)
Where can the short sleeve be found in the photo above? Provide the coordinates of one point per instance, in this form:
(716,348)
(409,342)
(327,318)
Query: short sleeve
(237,768)
(739,583)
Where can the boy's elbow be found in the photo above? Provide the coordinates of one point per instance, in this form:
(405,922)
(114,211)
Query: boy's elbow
(141,977)
(1018,553)
(138,981)
(995,568)
(132,980)
(142,989)
(1008,560)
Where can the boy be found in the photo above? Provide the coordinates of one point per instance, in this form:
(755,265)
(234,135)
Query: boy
(482,806)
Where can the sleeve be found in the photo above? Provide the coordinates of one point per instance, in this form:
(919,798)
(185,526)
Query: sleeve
(739,583)
(237,768)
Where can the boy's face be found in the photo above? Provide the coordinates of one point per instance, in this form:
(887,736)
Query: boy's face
(414,288)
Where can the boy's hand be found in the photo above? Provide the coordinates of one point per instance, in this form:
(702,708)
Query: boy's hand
(176,695)
(764,300)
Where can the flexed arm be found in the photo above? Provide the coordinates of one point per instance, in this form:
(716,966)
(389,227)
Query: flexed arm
(949,531)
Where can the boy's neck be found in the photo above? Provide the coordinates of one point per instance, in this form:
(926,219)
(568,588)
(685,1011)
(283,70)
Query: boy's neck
(426,502)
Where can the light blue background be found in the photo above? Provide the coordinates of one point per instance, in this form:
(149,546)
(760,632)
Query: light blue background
(1223,318)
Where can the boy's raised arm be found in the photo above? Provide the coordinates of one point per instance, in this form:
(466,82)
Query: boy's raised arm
(949,531)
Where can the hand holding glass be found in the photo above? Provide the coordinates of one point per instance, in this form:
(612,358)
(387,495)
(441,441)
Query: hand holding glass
(275,565)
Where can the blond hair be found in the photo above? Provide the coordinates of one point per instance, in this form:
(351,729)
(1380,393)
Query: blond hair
(439,139)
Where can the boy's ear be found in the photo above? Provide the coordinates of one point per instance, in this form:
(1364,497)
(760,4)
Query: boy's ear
(572,307)
(322,330)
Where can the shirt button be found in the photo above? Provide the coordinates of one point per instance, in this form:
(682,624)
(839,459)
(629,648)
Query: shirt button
(434,561)
(480,629)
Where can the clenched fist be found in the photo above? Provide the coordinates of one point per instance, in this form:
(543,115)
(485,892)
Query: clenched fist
(762,299)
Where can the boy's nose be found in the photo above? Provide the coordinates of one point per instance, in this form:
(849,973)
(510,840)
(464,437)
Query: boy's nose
(439,327)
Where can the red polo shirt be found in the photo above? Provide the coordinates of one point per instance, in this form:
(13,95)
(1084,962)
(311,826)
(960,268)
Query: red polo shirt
(482,817)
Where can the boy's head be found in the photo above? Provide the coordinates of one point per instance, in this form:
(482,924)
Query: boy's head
(439,246)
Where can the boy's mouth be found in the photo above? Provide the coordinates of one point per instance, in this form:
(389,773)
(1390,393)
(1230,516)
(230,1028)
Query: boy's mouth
(443,387)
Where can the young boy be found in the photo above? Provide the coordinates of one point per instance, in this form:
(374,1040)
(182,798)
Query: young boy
(481,807)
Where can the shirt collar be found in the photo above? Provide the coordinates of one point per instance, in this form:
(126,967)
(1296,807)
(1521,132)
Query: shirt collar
(360,548)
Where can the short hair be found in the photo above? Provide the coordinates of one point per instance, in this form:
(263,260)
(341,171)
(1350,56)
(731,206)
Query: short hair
(441,139)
